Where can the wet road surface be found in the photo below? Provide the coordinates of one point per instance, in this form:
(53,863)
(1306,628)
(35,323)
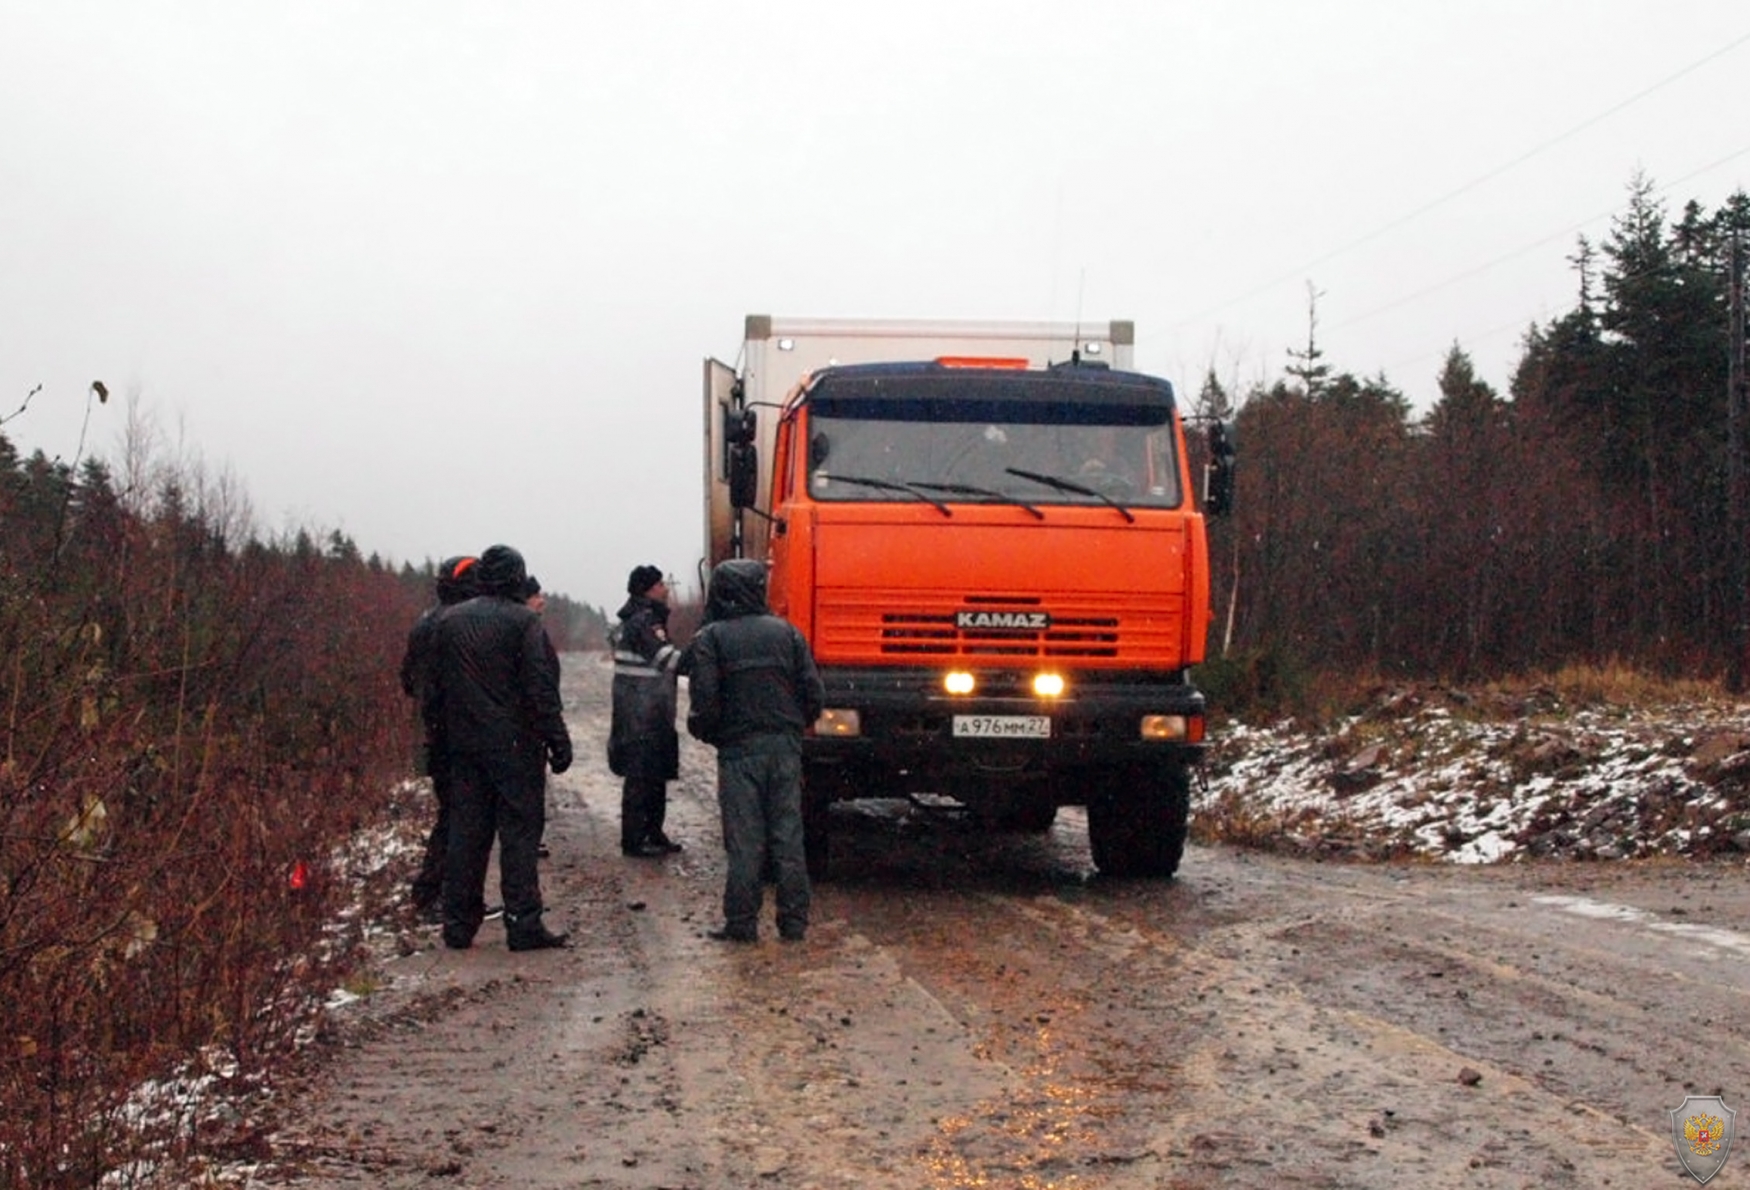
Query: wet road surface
(978,1011)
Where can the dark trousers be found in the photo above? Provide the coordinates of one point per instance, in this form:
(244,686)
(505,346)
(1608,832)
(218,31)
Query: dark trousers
(428,883)
(495,795)
(643,805)
(759,790)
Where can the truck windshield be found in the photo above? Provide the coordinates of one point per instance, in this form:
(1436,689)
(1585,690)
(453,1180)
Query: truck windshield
(1031,455)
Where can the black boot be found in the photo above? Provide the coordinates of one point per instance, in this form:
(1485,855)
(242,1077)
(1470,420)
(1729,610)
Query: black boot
(729,933)
(528,933)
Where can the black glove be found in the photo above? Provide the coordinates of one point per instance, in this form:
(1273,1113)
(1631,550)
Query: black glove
(559,755)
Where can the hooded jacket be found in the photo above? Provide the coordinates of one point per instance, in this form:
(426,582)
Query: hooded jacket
(642,740)
(752,674)
(498,680)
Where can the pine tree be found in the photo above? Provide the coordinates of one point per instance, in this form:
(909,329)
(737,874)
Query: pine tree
(1307,366)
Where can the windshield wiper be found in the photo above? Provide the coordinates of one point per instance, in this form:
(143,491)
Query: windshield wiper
(888,485)
(966,489)
(1065,485)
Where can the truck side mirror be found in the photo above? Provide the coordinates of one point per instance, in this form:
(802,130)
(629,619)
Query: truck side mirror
(739,426)
(1218,472)
(744,475)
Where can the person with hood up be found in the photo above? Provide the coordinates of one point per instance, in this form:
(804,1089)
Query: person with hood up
(504,723)
(643,745)
(754,690)
(455,582)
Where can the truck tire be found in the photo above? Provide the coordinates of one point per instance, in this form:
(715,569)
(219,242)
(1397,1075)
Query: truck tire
(1138,819)
(816,826)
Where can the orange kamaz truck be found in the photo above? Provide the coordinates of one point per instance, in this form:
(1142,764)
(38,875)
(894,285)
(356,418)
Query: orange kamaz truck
(988,534)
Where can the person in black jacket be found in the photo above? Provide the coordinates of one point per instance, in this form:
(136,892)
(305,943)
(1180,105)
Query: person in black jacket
(754,690)
(455,582)
(643,746)
(503,722)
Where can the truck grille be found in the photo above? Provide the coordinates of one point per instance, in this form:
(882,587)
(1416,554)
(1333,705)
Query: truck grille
(916,625)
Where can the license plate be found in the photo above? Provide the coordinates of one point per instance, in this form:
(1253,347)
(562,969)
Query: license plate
(1003,727)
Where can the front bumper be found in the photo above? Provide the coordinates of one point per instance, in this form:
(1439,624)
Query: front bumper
(906,723)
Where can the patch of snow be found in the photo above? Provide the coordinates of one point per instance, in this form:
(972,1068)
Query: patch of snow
(1599,783)
(1603,910)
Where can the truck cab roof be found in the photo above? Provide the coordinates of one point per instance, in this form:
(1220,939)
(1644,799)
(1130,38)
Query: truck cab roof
(841,389)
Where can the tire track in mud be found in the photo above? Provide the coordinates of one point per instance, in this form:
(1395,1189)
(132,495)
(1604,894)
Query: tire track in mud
(977,1011)
(1192,1051)
(1194,1032)
(483,1068)
(1412,973)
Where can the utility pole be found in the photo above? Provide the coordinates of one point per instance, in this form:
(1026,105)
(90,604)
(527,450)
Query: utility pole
(1737,411)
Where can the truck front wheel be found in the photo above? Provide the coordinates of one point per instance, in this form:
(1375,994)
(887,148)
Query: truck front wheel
(1138,819)
(816,820)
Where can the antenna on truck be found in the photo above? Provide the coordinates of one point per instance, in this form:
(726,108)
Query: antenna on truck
(1075,351)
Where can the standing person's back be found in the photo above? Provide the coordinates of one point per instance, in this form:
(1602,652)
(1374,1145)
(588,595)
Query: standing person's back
(754,690)
(504,721)
(456,581)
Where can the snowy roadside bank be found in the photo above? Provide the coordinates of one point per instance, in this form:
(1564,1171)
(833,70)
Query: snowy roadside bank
(1432,774)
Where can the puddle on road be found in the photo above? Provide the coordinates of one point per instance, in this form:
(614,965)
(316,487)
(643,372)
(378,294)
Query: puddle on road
(1714,936)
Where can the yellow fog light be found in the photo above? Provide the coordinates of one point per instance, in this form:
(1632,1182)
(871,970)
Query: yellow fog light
(958,682)
(1048,685)
(839,721)
(1165,727)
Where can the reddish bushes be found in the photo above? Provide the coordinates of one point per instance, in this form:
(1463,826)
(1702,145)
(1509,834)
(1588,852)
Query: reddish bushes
(184,717)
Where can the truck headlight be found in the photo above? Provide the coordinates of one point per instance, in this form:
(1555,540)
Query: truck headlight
(958,681)
(839,721)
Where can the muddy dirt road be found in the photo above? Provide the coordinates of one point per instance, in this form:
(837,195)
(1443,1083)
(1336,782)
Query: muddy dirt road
(978,1013)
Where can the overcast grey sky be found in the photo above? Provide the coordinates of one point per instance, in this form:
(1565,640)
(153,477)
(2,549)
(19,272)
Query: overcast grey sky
(441,274)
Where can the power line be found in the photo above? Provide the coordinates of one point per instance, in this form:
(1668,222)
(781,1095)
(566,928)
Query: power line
(1393,225)
(1523,323)
(1521,251)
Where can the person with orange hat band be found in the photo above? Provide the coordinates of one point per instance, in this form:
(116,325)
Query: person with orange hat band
(456,581)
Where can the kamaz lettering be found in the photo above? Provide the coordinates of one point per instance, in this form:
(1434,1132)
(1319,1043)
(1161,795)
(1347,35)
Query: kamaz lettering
(1030,621)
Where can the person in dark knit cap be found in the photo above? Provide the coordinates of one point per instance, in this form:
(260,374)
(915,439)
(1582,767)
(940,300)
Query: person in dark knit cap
(643,746)
(504,724)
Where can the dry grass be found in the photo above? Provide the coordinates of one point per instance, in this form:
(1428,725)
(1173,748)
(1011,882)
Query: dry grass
(1253,690)
(1613,683)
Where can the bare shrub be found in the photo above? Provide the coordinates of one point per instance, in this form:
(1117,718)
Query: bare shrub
(189,715)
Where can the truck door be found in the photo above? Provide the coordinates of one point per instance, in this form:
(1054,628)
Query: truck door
(719,517)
